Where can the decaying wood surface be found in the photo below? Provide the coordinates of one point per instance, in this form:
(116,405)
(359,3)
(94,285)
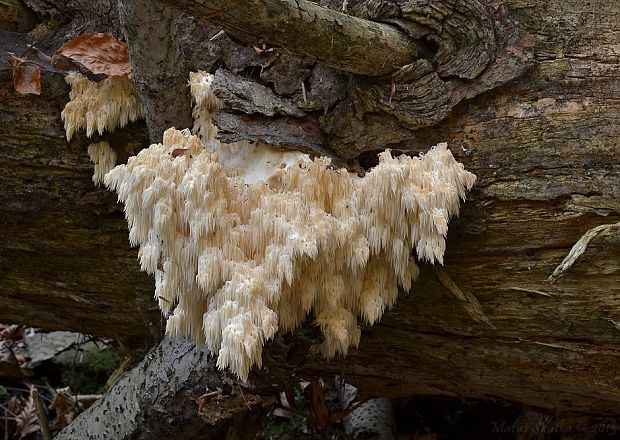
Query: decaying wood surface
(174,391)
(544,147)
(150,28)
(318,33)
(15,16)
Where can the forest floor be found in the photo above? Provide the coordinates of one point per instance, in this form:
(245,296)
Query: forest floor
(68,372)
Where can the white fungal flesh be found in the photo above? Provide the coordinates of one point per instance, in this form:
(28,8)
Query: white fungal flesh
(104,159)
(99,106)
(256,162)
(244,240)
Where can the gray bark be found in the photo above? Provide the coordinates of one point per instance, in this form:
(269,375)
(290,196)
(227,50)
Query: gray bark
(479,46)
(161,397)
(158,65)
(544,147)
(317,33)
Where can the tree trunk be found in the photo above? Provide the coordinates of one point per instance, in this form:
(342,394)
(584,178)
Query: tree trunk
(544,147)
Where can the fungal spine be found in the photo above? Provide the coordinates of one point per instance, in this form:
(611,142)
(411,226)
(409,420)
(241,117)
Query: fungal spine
(244,240)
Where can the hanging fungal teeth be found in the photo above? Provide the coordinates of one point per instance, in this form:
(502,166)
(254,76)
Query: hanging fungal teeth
(245,239)
(100,106)
(104,159)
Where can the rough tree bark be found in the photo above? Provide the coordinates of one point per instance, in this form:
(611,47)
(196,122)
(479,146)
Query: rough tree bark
(150,28)
(305,28)
(544,147)
(161,397)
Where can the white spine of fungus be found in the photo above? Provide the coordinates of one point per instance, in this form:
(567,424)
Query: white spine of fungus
(104,159)
(99,106)
(245,240)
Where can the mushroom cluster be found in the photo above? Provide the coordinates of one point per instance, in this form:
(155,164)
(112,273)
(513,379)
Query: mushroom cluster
(244,240)
(98,106)
(103,158)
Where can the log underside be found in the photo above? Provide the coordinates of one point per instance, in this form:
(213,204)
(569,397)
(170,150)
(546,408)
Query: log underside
(544,148)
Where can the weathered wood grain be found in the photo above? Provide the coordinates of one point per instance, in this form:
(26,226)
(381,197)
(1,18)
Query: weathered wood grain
(15,16)
(305,28)
(546,151)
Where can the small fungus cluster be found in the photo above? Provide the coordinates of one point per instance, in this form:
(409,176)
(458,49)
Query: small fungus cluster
(244,240)
(100,106)
(104,159)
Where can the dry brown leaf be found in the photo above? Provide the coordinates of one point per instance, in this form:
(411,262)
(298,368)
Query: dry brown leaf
(26,76)
(66,408)
(14,331)
(9,368)
(26,420)
(99,53)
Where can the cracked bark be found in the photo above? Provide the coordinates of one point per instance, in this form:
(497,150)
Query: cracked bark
(159,68)
(461,49)
(160,397)
(304,28)
(544,147)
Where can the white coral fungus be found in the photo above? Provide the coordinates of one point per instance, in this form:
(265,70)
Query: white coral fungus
(99,106)
(104,159)
(245,240)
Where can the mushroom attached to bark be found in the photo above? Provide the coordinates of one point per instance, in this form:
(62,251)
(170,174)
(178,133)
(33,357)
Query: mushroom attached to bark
(99,106)
(245,240)
(104,159)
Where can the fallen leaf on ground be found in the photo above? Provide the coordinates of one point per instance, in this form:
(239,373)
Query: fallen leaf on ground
(26,420)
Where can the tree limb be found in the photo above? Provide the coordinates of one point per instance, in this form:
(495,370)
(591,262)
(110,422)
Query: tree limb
(339,40)
(158,66)
(165,395)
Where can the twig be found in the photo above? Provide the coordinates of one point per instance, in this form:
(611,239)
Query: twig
(538,292)
(209,395)
(39,65)
(6,410)
(202,400)
(217,36)
(303,92)
(392,92)
(243,397)
(580,247)
(41,415)
(6,425)
(468,301)
(25,390)
(29,47)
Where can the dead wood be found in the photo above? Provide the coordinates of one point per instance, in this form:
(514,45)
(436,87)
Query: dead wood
(544,147)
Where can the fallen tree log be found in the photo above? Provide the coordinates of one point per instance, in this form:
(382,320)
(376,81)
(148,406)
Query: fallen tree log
(545,149)
(155,400)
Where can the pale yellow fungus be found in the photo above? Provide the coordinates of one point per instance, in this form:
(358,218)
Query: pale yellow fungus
(104,159)
(99,106)
(245,240)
